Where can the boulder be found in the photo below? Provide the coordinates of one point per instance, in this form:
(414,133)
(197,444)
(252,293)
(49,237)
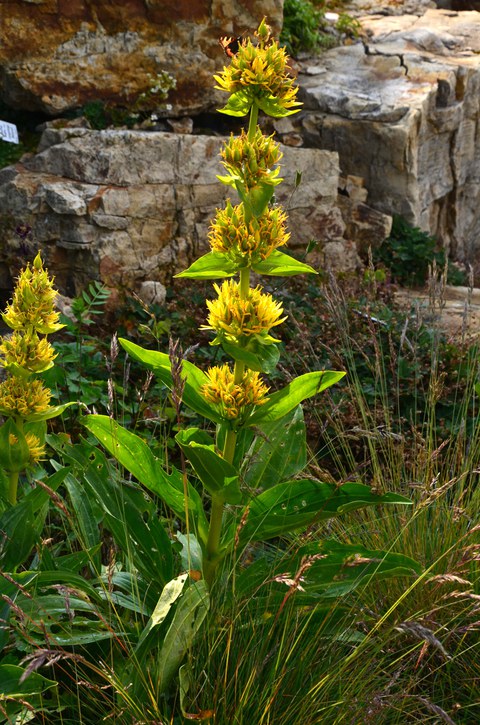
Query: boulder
(56,55)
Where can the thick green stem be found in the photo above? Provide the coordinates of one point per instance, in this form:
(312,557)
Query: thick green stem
(212,554)
(252,123)
(244,282)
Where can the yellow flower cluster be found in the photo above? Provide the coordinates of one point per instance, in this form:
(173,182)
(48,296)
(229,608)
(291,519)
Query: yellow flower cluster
(35,447)
(234,399)
(32,301)
(261,72)
(28,351)
(251,161)
(247,242)
(23,397)
(29,313)
(233,316)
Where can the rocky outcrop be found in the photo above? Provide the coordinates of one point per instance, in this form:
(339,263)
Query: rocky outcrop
(402,109)
(396,114)
(133,207)
(60,54)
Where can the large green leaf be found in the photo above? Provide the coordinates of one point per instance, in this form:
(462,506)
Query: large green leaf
(286,399)
(170,593)
(272,106)
(135,455)
(335,569)
(278,264)
(278,452)
(9,590)
(191,610)
(63,607)
(55,606)
(10,676)
(213,265)
(128,448)
(63,577)
(217,475)
(299,503)
(52,412)
(257,198)
(19,533)
(86,520)
(258,357)
(341,568)
(195,378)
(63,633)
(238,104)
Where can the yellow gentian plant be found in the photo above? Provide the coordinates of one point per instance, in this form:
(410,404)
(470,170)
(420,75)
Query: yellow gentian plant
(245,501)
(24,354)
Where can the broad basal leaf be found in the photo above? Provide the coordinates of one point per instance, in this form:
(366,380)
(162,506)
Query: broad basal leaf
(299,503)
(191,610)
(341,568)
(135,455)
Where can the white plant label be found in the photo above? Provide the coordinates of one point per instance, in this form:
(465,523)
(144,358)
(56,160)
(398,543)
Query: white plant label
(8,132)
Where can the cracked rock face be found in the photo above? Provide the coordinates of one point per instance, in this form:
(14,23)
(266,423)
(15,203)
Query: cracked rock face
(60,54)
(402,109)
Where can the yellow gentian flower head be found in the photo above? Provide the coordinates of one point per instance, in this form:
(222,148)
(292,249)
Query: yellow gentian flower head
(26,351)
(233,316)
(234,400)
(247,242)
(22,397)
(251,162)
(259,74)
(32,305)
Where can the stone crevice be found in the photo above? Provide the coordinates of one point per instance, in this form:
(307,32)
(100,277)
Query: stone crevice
(401,57)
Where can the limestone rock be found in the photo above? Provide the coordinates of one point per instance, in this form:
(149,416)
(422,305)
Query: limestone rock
(59,54)
(132,207)
(402,109)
